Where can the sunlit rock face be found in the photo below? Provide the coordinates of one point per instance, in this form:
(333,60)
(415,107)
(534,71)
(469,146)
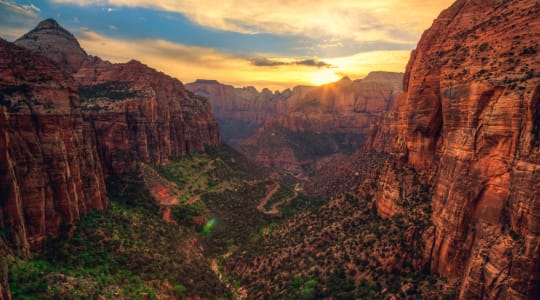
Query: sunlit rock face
(469,121)
(136,112)
(333,118)
(50,172)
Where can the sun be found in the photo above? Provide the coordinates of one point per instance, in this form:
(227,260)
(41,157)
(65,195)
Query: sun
(324,76)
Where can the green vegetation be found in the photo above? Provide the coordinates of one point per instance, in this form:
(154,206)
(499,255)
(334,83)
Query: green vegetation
(342,250)
(126,252)
(114,90)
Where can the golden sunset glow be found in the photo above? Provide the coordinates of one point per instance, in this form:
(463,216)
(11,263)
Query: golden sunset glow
(267,44)
(324,76)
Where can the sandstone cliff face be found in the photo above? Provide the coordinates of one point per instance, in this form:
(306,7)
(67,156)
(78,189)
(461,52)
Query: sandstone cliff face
(139,114)
(50,173)
(136,112)
(468,122)
(241,111)
(329,119)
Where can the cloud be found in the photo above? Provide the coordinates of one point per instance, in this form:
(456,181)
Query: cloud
(28,10)
(16,19)
(361,20)
(313,63)
(11,34)
(189,63)
(31,7)
(266,62)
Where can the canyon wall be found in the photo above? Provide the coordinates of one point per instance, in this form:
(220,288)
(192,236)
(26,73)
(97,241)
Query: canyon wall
(468,122)
(50,173)
(240,112)
(326,120)
(136,112)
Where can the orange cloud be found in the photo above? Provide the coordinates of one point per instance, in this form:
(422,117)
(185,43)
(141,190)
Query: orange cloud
(189,63)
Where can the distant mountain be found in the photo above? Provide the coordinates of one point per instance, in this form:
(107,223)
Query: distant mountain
(240,112)
(325,120)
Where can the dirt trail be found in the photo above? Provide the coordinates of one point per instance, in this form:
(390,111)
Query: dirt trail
(241,292)
(274,209)
(263,202)
(188,185)
(166,192)
(193,199)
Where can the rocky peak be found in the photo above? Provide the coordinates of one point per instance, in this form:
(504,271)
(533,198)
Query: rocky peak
(53,41)
(50,24)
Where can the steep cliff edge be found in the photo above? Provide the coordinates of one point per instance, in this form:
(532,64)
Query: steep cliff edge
(468,123)
(50,173)
(240,112)
(137,113)
(333,118)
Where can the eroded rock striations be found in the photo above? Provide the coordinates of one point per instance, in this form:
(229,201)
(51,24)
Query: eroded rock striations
(468,122)
(240,112)
(137,113)
(50,173)
(326,120)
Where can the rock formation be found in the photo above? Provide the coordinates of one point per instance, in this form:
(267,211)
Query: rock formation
(56,43)
(137,113)
(50,173)
(468,122)
(329,119)
(240,112)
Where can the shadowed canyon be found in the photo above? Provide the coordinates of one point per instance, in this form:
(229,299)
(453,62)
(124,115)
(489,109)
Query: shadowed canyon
(118,181)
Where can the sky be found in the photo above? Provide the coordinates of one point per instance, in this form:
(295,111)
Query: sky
(275,44)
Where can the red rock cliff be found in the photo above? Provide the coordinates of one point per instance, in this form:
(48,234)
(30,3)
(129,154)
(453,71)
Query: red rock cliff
(50,173)
(469,122)
(137,113)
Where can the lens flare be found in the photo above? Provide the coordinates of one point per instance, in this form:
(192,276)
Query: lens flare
(207,229)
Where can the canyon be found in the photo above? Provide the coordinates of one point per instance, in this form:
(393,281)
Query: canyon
(324,121)
(423,184)
(69,120)
(240,112)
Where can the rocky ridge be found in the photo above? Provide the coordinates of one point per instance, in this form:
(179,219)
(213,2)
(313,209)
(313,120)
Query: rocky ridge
(326,120)
(137,113)
(240,112)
